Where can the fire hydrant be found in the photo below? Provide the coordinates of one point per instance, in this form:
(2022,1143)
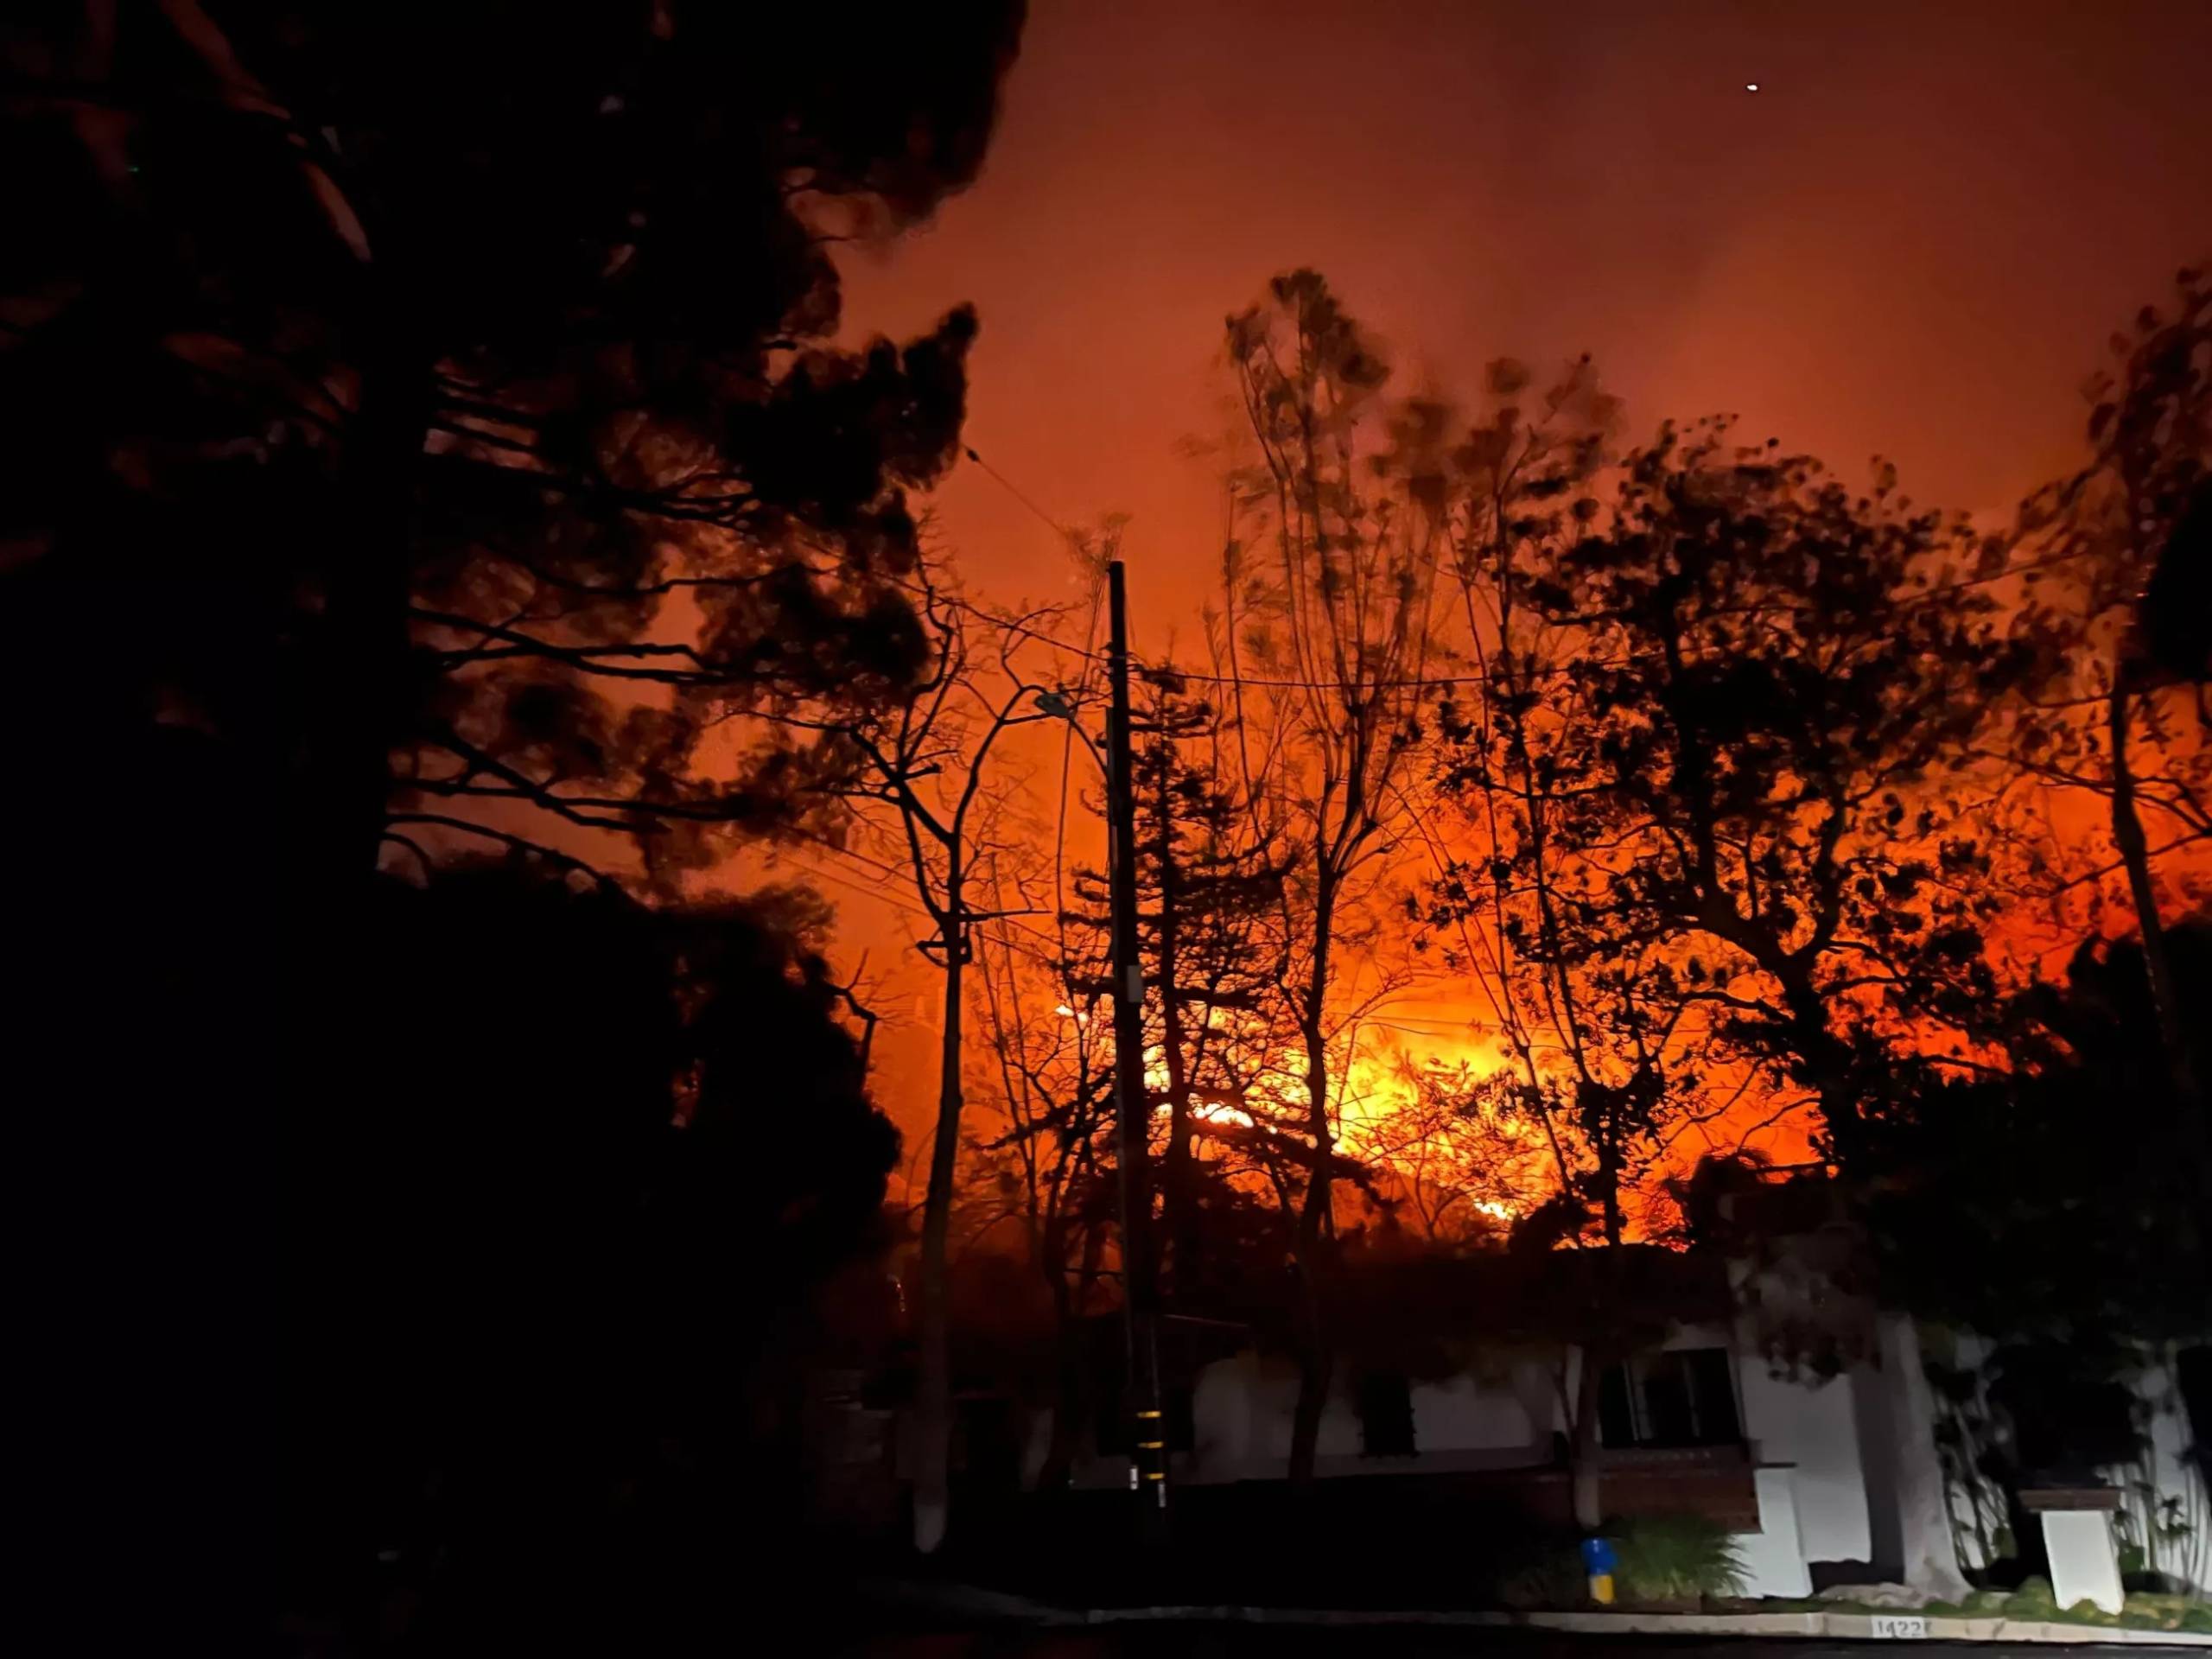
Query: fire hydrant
(1599,1561)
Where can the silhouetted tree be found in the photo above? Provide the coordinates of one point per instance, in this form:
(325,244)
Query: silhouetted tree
(921,775)
(1451,1170)
(2052,1190)
(2041,1209)
(494,360)
(430,414)
(1776,686)
(2124,547)
(1603,1063)
(1716,762)
(599,1158)
(1047,1066)
(1209,911)
(1325,629)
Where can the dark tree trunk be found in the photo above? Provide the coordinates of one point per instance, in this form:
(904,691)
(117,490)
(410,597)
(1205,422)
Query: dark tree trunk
(1314,1359)
(933,1401)
(1585,1446)
(1316,1228)
(2158,967)
(360,674)
(1585,1438)
(1316,1367)
(1072,1407)
(1823,1064)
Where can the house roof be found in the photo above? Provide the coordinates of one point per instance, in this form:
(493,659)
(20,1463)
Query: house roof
(1423,1313)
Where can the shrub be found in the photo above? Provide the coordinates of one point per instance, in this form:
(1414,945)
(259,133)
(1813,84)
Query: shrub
(2033,1599)
(1676,1558)
(2168,1610)
(1550,1577)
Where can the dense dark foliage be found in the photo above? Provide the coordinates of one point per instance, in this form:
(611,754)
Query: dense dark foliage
(2052,1204)
(1752,750)
(422,424)
(532,1253)
(395,388)
(2123,716)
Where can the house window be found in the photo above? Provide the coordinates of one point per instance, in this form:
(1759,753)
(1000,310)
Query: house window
(1683,1397)
(1616,1415)
(1386,1415)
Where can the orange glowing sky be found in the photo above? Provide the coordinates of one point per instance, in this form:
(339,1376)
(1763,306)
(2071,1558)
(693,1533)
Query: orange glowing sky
(1913,239)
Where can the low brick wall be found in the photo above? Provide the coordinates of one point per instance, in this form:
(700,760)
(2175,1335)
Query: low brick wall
(1718,1486)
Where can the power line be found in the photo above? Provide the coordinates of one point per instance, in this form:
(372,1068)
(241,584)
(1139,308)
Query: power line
(908,906)
(1423,682)
(912,906)
(1008,485)
(1929,596)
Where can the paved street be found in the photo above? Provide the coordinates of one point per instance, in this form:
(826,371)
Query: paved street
(1239,1640)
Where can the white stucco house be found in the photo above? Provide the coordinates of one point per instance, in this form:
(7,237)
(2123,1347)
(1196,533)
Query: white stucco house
(1823,1479)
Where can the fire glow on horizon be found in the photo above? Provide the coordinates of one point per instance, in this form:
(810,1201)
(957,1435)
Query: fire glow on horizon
(1377,1103)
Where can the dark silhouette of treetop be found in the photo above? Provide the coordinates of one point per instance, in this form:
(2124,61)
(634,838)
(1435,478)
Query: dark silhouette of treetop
(473,380)
(1777,682)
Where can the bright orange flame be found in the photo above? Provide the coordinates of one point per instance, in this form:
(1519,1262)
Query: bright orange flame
(1385,1118)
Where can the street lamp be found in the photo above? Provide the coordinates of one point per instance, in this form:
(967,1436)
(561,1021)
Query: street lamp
(1056,705)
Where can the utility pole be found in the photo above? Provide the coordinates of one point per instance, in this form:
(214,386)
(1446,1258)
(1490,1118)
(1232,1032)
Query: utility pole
(1139,1286)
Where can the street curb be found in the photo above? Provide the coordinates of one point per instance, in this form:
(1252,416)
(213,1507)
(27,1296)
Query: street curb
(966,1601)
(971,1601)
(1849,1627)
